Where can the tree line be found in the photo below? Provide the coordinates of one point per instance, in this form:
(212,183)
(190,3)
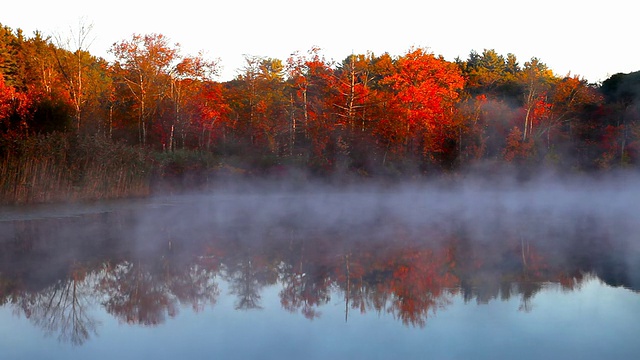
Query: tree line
(367,113)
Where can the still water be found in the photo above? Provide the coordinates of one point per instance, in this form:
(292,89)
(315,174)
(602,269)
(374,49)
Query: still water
(402,272)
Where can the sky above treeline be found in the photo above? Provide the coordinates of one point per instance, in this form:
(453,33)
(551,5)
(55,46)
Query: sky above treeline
(590,39)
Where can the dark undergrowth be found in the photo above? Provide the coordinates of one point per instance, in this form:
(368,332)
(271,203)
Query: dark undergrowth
(63,167)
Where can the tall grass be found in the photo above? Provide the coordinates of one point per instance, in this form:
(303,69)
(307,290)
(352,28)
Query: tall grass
(64,167)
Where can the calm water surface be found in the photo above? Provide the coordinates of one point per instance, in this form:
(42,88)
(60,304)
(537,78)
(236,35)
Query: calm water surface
(412,272)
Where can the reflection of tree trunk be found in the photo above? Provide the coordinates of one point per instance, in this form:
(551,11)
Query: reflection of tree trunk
(348,291)
(62,310)
(246,286)
(524,253)
(301,256)
(528,291)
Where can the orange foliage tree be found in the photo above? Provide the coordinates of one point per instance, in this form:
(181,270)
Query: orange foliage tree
(313,82)
(210,118)
(426,89)
(143,65)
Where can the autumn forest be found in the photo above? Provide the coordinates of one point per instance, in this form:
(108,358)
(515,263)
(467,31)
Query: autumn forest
(76,126)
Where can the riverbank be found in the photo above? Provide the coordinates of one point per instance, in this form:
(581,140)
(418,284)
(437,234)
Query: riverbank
(64,167)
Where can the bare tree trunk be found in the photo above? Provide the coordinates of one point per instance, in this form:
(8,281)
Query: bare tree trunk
(142,134)
(77,44)
(527,120)
(306,112)
(171,146)
(292,137)
(110,122)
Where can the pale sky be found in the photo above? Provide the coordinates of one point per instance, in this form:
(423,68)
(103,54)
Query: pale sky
(593,39)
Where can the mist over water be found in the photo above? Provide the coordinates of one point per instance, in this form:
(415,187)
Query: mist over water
(565,216)
(546,210)
(532,209)
(404,250)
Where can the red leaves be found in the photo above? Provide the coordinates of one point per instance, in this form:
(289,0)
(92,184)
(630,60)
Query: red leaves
(211,106)
(16,108)
(517,149)
(7,96)
(425,90)
(419,284)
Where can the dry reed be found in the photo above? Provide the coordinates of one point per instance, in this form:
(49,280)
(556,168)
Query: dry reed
(62,167)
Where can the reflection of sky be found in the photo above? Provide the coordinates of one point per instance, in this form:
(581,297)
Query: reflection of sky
(594,323)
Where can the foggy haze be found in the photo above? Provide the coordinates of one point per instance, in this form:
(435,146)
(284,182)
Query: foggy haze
(400,248)
(519,206)
(563,215)
(545,203)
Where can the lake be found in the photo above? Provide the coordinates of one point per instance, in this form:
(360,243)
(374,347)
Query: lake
(544,269)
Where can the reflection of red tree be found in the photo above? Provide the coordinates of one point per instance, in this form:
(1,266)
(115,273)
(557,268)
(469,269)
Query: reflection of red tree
(306,276)
(140,294)
(136,296)
(350,276)
(534,264)
(400,275)
(305,293)
(194,286)
(571,282)
(407,282)
(421,282)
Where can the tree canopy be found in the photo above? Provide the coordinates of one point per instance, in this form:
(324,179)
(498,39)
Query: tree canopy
(367,113)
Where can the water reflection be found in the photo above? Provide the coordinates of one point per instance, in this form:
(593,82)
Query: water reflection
(142,265)
(61,309)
